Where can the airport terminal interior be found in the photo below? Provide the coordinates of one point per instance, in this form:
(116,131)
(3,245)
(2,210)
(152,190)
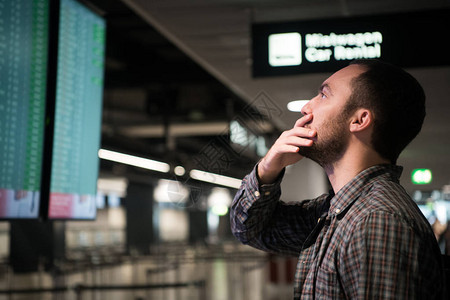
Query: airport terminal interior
(126,127)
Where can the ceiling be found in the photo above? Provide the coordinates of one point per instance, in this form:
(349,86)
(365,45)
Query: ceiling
(172,64)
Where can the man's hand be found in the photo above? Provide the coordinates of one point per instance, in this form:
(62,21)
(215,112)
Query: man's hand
(284,151)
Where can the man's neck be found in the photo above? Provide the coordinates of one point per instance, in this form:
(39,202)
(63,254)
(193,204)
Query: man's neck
(350,165)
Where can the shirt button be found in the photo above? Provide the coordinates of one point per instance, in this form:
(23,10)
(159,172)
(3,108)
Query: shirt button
(337,210)
(257,194)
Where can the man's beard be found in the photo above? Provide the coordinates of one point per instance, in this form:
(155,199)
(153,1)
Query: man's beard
(332,140)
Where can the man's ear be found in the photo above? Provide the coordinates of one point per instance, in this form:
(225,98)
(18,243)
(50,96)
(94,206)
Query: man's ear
(361,120)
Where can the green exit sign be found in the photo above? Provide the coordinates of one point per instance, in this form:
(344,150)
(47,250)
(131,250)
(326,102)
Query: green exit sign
(421,176)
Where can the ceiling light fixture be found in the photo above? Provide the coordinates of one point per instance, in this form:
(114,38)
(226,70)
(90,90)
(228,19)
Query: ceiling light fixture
(134,161)
(296,105)
(179,170)
(215,178)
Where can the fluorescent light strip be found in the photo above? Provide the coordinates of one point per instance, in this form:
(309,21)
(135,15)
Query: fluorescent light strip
(134,161)
(296,105)
(215,178)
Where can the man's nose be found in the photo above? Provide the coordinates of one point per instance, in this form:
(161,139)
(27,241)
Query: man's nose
(306,109)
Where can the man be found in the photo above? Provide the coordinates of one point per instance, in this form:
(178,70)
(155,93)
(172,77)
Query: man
(366,239)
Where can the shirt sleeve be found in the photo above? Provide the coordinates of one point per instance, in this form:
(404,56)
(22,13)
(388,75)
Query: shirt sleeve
(387,259)
(261,220)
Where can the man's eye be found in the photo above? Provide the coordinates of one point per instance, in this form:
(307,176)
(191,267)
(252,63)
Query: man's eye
(323,96)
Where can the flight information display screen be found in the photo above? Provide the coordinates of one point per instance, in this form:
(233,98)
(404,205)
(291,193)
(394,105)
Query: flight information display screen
(75,162)
(23,73)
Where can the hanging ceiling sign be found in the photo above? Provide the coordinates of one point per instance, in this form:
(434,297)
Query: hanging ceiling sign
(408,40)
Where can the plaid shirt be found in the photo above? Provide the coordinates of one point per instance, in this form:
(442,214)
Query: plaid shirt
(368,241)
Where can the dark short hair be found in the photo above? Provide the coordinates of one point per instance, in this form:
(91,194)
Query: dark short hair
(397,101)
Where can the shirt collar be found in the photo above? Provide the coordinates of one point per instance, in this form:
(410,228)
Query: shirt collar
(350,192)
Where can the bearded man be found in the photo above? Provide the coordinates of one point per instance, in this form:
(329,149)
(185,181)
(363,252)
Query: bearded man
(366,238)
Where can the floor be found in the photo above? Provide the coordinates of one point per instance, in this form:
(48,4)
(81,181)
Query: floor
(171,272)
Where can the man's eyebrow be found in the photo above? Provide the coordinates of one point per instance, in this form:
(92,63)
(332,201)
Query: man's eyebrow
(325,86)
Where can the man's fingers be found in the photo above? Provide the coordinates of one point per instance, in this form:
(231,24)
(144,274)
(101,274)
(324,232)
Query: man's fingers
(303,120)
(298,141)
(288,149)
(291,144)
(300,132)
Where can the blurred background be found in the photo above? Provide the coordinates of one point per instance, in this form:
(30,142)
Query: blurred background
(185,115)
